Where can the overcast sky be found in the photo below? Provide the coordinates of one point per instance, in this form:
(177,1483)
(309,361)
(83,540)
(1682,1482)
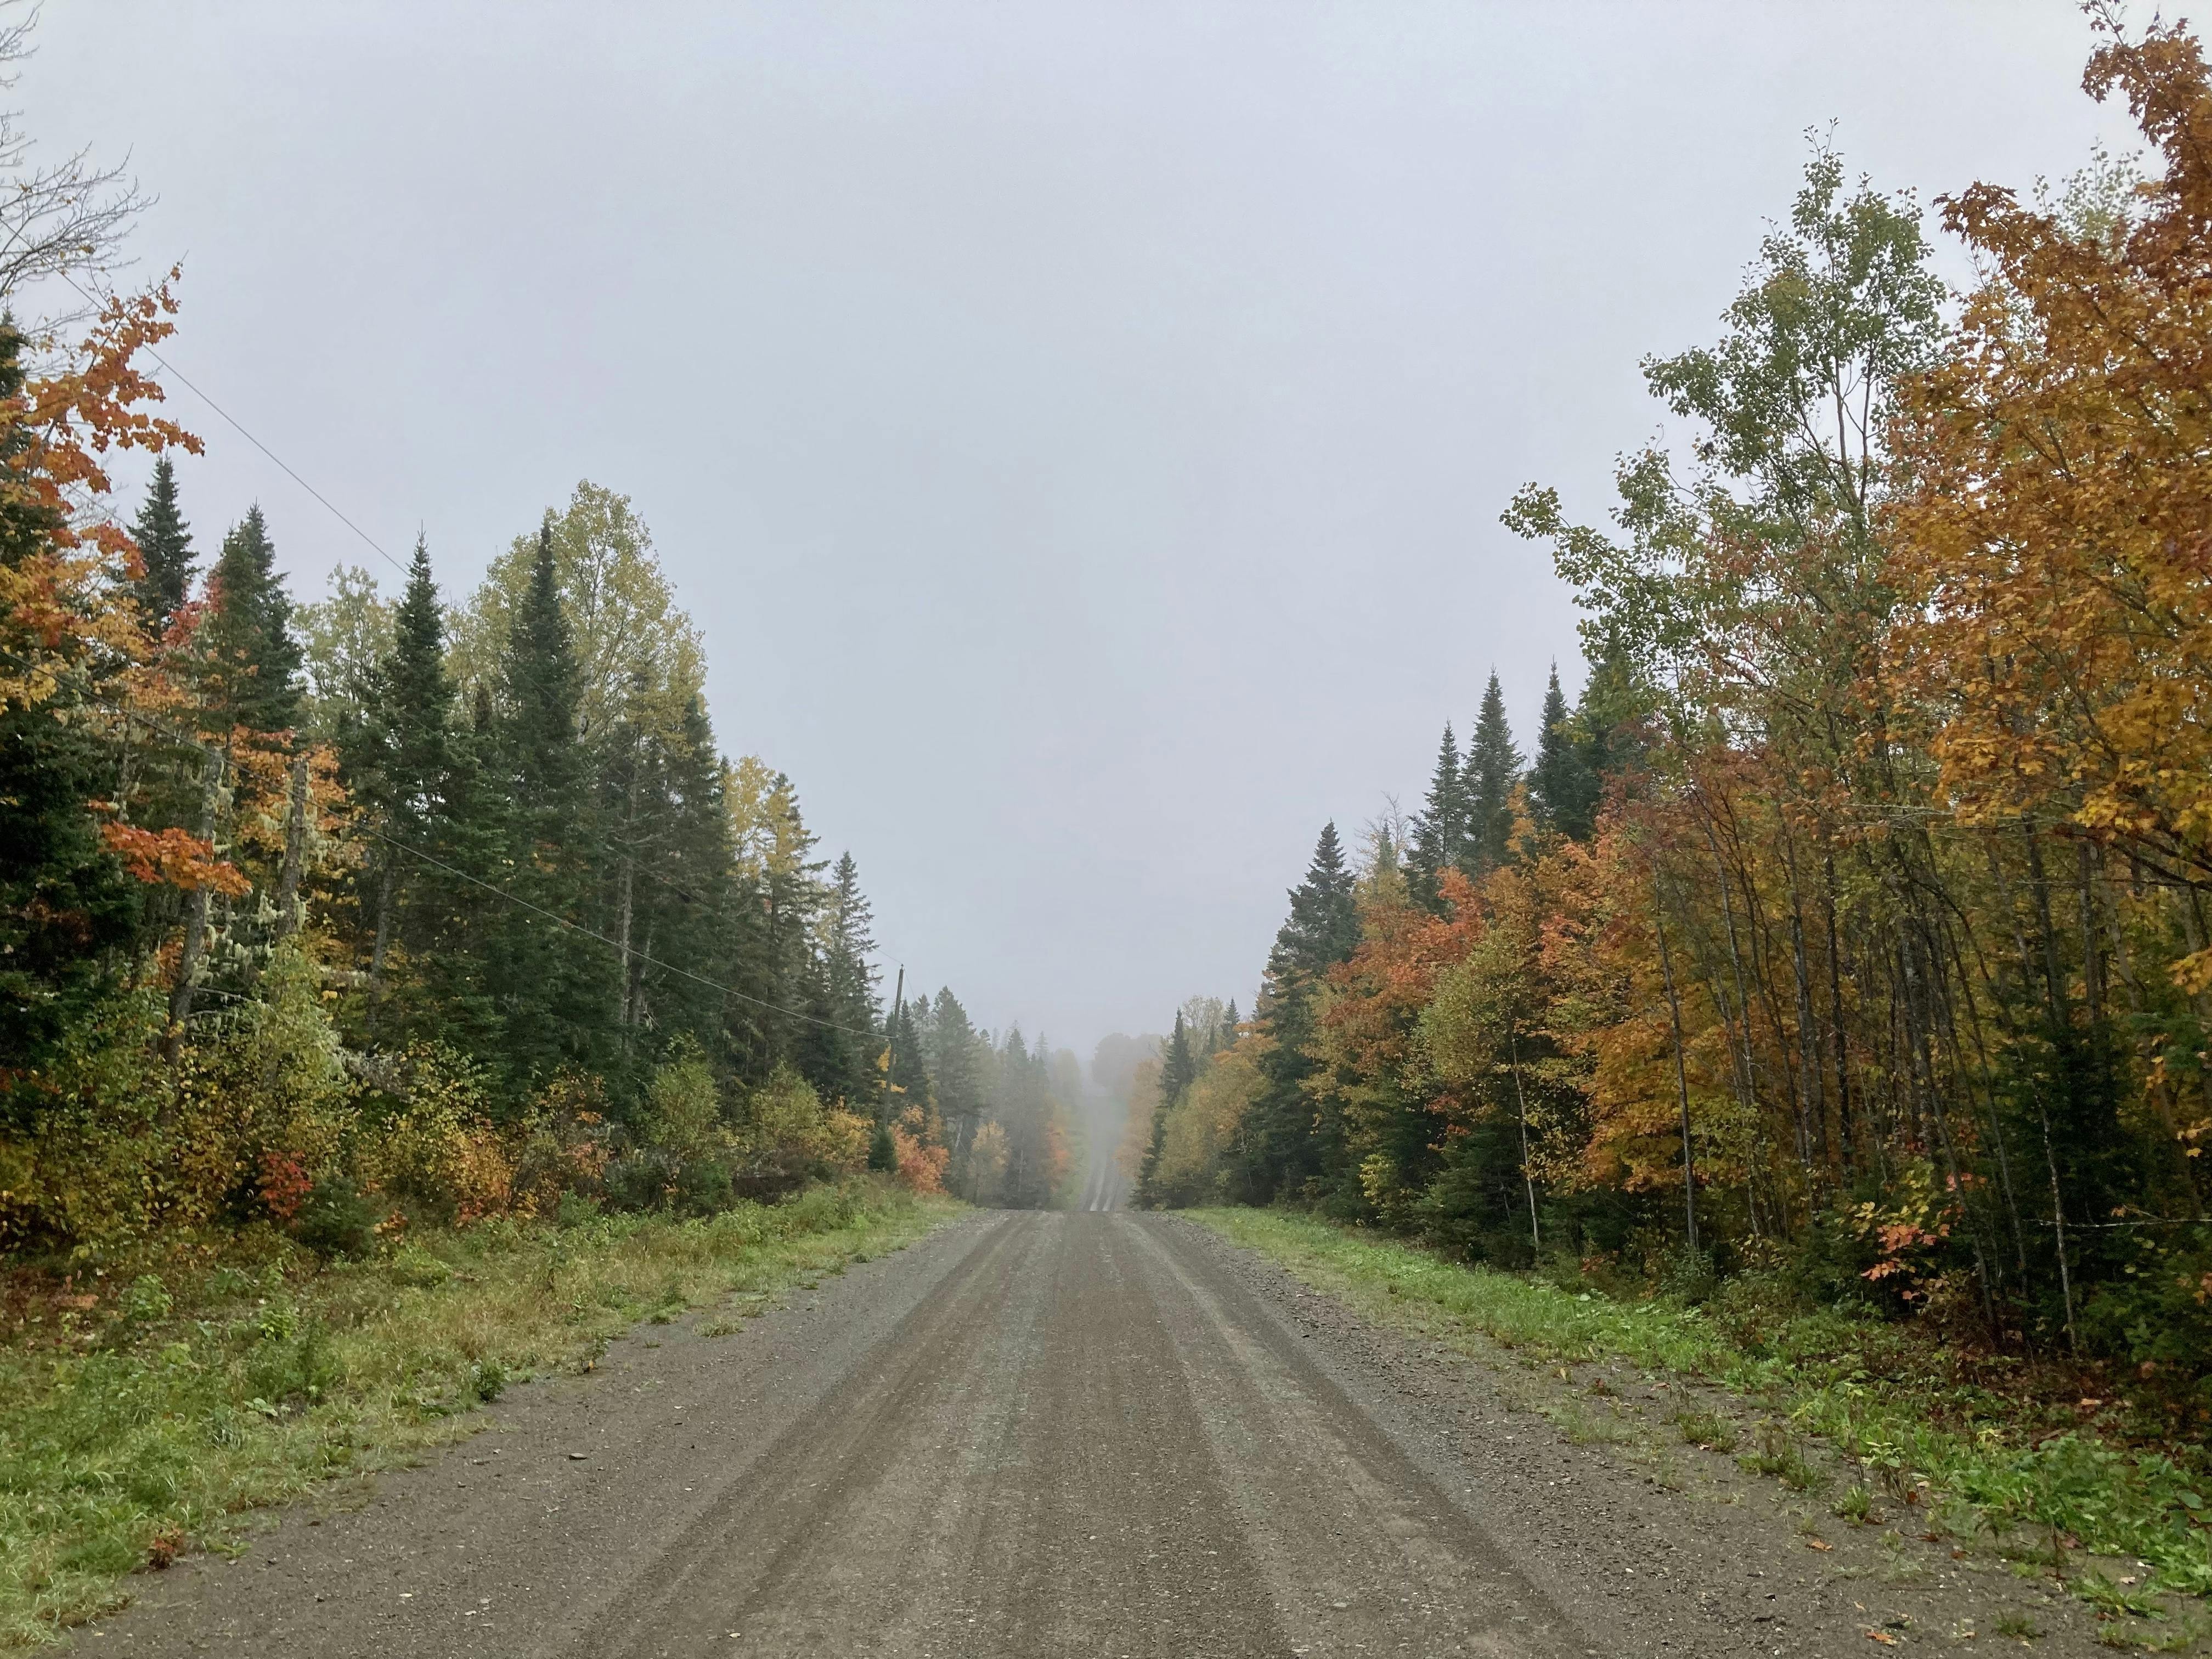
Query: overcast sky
(1079,429)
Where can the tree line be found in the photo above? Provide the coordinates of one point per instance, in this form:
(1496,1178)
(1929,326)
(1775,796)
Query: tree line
(1851,924)
(337,917)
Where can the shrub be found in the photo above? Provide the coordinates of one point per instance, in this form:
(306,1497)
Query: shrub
(335,1219)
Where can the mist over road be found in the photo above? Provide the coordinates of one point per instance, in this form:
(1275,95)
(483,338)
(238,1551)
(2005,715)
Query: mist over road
(1030,1434)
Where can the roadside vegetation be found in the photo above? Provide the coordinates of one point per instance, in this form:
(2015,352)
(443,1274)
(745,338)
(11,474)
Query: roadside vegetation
(1847,947)
(143,1413)
(1946,1442)
(398,989)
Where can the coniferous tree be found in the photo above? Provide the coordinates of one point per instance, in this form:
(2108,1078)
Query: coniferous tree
(249,659)
(1562,790)
(554,988)
(1322,930)
(841,1046)
(1441,833)
(165,548)
(692,912)
(403,756)
(1493,766)
(65,908)
(949,1046)
(1178,1069)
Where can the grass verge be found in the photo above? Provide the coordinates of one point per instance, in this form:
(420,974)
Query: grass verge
(1959,1456)
(138,1424)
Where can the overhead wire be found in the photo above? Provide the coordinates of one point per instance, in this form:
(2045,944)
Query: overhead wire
(186,738)
(375,546)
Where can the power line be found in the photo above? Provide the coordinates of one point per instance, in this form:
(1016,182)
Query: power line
(239,427)
(375,547)
(186,738)
(366,538)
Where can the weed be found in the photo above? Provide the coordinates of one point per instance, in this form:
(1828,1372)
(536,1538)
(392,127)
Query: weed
(1875,1392)
(1778,1456)
(2017,1626)
(1855,1506)
(256,1385)
(1707,1429)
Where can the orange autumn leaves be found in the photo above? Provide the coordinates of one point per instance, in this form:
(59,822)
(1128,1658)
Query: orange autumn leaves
(2056,546)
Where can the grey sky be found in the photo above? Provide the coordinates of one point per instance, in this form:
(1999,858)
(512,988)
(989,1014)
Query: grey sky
(1079,429)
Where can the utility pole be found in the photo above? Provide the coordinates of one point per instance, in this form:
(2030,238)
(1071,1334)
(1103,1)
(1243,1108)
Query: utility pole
(890,1033)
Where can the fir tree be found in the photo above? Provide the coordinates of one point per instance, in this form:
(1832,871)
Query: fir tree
(1441,833)
(165,548)
(249,660)
(1493,766)
(1562,789)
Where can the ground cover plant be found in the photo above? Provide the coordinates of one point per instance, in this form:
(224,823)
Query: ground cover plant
(1916,1429)
(144,1413)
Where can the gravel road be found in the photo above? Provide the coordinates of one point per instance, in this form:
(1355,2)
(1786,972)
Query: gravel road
(1040,1434)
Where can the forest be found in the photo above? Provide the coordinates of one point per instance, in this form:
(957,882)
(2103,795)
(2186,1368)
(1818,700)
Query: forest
(323,920)
(1849,932)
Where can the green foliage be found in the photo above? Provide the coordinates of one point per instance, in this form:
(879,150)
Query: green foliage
(165,548)
(1882,1397)
(126,1431)
(248,658)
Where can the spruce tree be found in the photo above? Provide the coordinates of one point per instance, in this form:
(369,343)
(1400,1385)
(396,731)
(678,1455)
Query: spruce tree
(249,660)
(397,761)
(1323,925)
(165,548)
(1441,832)
(555,988)
(1562,789)
(956,1078)
(850,982)
(1493,766)
(1178,1069)
(1281,1150)
(411,716)
(690,913)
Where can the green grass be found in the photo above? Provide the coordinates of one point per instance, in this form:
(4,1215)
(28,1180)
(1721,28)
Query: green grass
(1964,1457)
(147,1423)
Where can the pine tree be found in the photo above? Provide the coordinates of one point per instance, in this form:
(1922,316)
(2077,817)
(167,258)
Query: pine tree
(1493,766)
(165,548)
(1562,789)
(249,662)
(1441,833)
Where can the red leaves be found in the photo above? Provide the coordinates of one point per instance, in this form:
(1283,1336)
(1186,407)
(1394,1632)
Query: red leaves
(170,858)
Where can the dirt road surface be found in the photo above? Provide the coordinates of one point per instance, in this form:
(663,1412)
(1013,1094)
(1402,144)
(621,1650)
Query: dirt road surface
(1044,1434)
